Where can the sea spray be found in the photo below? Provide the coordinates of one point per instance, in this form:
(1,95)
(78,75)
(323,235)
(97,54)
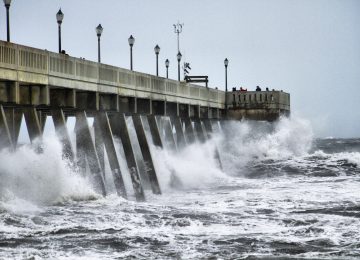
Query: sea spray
(241,142)
(41,178)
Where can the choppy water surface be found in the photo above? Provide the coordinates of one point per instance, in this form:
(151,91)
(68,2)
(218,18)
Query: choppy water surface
(281,195)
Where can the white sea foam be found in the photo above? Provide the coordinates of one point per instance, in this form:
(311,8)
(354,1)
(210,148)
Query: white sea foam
(40,178)
(245,141)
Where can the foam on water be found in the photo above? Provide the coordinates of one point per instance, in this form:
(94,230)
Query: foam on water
(40,178)
(278,195)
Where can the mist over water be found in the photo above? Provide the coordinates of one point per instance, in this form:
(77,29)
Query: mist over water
(281,193)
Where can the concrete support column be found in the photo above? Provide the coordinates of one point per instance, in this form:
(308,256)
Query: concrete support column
(14,117)
(189,130)
(86,149)
(145,151)
(102,126)
(209,132)
(119,126)
(62,133)
(5,136)
(180,138)
(99,144)
(199,131)
(169,136)
(154,130)
(9,92)
(33,123)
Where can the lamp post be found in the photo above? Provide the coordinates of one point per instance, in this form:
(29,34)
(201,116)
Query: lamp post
(7,5)
(131,41)
(59,18)
(226,63)
(178,56)
(99,31)
(167,63)
(157,51)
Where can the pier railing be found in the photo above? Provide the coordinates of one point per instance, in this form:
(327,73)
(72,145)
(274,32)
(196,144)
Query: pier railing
(35,66)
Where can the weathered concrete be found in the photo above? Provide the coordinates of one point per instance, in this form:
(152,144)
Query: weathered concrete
(189,131)
(258,105)
(119,127)
(169,136)
(180,137)
(62,133)
(154,130)
(102,126)
(145,151)
(33,123)
(209,132)
(5,136)
(199,130)
(86,149)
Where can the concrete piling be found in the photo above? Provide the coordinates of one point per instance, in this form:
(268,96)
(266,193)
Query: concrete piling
(169,136)
(62,133)
(189,130)
(154,130)
(33,123)
(199,130)
(86,147)
(119,126)
(180,137)
(209,132)
(5,136)
(102,126)
(145,151)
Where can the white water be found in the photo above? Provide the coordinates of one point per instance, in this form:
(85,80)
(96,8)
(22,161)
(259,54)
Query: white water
(252,203)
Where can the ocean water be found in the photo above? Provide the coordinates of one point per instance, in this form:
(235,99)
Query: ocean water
(282,194)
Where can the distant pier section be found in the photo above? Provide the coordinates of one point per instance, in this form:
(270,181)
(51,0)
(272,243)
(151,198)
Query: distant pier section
(258,105)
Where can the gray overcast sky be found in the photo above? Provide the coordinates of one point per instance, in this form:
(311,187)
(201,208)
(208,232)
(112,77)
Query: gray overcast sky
(309,48)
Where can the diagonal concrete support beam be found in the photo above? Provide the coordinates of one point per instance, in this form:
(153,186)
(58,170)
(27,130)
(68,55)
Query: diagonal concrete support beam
(86,147)
(154,130)
(189,131)
(102,126)
(99,144)
(199,131)
(5,136)
(180,137)
(119,126)
(209,132)
(145,151)
(62,133)
(33,123)
(14,117)
(169,136)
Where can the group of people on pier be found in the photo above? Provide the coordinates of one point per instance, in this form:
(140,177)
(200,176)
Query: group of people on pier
(245,89)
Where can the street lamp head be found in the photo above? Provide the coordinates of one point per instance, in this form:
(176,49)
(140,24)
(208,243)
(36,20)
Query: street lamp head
(226,62)
(59,16)
(7,3)
(131,41)
(167,63)
(157,49)
(179,56)
(99,30)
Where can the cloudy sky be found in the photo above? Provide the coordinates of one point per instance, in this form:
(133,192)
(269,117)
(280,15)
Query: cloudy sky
(310,48)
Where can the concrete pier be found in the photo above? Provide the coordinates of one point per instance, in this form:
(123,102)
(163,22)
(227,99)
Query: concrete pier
(37,84)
